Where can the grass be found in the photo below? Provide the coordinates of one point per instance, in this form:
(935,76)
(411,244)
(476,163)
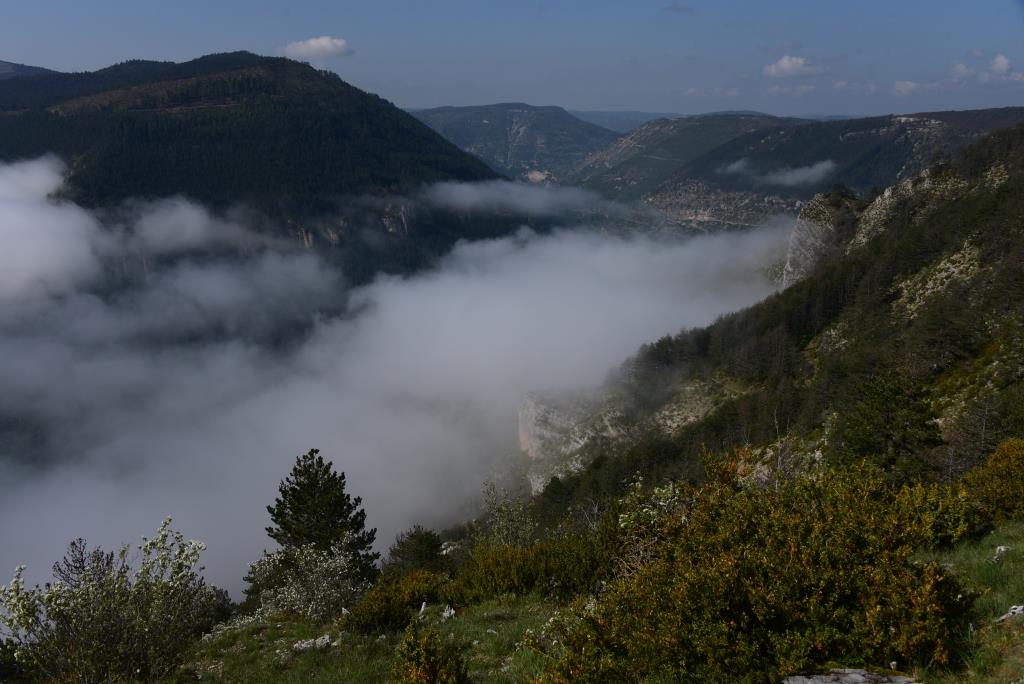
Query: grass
(487,634)
(996,650)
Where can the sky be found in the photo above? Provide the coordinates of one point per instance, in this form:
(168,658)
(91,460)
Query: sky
(789,57)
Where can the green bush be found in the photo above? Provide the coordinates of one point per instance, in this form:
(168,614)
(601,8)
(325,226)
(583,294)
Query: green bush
(423,658)
(997,488)
(946,510)
(751,585)
(561,567)
(394,601)
(106,620)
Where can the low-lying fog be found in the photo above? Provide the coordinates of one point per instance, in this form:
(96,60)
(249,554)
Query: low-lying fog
(169,398)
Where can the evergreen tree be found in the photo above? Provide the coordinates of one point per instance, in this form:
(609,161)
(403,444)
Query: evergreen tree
(314,509)
(415,549)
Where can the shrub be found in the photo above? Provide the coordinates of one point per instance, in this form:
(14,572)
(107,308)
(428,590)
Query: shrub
(752,585)
(394,601)
(946,511)
(423,658)
(103,619)
(315,583)
(561,567)
(506,519)
(997,488)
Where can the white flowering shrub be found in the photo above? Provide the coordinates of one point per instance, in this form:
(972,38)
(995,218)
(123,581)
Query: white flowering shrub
(315,583)
(104,618)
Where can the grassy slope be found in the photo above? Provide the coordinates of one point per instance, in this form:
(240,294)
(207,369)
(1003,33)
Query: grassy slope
(488,631)
(998,648)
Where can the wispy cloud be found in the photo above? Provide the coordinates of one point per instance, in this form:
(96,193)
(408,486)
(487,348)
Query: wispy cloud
(1000,65)
(788,66)
(785,176)
(961,71)
(189,389)
(322,47)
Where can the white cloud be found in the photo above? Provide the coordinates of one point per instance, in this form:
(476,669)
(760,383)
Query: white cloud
(191,391)
(785,176)
(1000,65)
(801,175)
(961,71)
(322,47)
(907,88)
(788,66)
(46,248)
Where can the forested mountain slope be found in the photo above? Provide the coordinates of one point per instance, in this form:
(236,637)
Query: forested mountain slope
(903,341)
(641,161)
(12,70)
(519,140)
(223,129)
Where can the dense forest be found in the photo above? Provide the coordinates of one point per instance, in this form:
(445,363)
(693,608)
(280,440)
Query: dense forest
(839,354)
(224,129)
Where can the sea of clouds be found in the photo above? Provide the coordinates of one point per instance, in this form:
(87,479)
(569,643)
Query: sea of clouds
(162,361)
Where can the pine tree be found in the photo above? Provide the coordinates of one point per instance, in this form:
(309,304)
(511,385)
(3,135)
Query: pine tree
(314,509)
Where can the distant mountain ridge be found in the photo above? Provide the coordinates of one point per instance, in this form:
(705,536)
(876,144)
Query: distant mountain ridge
(13,70)
(621,121)
(639,162)
(517,139)
(732,170)
(325,161)
(223,129)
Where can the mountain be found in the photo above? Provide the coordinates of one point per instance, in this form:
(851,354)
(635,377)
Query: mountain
(639,162)
(899,337)
(859,153)
(519,140)
(736,170)
(223,129)
(11,70)
(621,121)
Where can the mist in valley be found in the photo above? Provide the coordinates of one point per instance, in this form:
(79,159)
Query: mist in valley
(164,361)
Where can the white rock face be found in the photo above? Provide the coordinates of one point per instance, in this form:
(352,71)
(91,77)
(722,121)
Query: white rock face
(810,239)
(959,267)
(552,430)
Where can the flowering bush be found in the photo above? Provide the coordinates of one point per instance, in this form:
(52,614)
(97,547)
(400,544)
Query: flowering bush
(103,619)
(315,583)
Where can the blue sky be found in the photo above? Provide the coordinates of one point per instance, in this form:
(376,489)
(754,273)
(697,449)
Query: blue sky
(785,57)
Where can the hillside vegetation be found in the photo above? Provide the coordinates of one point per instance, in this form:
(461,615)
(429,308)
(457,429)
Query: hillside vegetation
(519,140)
(223,129)
(849,494)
